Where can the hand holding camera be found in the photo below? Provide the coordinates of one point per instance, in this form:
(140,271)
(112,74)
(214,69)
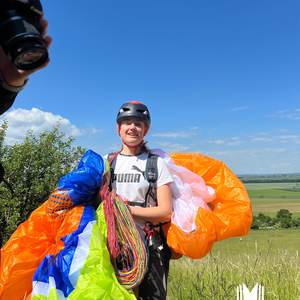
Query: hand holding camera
(23,39)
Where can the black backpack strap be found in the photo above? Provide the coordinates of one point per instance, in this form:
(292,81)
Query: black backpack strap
(151,174)
(111,157)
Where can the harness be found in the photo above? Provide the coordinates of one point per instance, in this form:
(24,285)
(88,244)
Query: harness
(155,239)
(150,175)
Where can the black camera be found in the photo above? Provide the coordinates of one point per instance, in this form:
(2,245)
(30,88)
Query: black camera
(19,36)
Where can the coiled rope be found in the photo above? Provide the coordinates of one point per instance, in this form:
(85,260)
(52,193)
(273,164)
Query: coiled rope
(128,251)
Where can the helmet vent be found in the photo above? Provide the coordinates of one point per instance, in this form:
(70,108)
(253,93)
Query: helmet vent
(142,111)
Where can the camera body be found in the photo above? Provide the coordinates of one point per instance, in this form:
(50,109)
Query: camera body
(19,34)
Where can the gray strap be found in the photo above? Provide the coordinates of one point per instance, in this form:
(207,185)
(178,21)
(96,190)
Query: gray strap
(11,88)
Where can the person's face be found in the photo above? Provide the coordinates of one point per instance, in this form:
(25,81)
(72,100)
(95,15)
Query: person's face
(132,130)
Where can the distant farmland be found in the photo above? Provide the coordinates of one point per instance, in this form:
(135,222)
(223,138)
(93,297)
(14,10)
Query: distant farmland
(268,198)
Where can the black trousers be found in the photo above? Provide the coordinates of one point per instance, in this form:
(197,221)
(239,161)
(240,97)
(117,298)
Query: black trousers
(154,284)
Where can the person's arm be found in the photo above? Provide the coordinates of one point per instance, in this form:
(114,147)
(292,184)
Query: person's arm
(7,99)
(160,213)
(12,80)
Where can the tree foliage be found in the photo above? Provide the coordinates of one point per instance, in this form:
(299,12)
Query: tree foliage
(32,171)
(283,220)
(284,214)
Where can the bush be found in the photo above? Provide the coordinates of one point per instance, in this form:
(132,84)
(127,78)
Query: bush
(255,224)
(285,222)
(296,223)
(32,171)
(283,213)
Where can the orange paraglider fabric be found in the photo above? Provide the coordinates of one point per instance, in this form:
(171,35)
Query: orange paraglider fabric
(232,215)
(19,262)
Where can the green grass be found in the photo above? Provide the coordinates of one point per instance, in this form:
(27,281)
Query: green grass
(271,205)
(269,201)
(287,177)
(273,193)
(295,215)
(282,239)
(270,186)
(273,201)
(266,257)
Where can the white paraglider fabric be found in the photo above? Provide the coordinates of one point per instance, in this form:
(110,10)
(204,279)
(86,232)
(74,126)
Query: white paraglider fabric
(189,192)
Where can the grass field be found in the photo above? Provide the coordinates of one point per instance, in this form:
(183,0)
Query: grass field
(273,194)
(269,198)
(270,186)
(267,257)
(282,239)
(295,215)
(286,177)
(274,205)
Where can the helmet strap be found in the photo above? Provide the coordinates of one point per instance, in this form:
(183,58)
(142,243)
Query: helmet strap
(135,147)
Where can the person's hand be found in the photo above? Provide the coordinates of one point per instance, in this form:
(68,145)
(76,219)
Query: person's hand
(10,73)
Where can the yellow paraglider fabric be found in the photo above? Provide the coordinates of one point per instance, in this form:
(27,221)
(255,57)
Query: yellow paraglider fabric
(232,215)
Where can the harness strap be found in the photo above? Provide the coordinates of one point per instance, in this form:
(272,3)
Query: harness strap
(131,203)
(151,176)
(161,224)
(112,163)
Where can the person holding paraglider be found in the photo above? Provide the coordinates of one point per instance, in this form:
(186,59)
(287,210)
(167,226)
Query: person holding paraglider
(150,203)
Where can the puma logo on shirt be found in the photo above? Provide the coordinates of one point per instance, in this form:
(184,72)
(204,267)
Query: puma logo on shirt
(139,170)
(129,177)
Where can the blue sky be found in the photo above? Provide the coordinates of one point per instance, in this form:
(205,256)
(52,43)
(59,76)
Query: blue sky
(220,78)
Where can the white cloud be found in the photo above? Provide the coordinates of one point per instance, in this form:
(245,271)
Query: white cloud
(262,140)
(169,147)
(95,131)
(235,143)
(180,134)
(252,135)
(280,165)
(218,142)
(288,114)
(239,108)
(22,120)
(283,130)
(258,160)
(235,138)
(288,137)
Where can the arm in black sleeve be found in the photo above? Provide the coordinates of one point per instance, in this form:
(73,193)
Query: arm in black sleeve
(7,99)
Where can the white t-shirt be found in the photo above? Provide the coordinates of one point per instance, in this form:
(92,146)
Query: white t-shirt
(129,179)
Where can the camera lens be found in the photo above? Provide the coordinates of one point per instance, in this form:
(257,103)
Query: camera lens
(21,41)
(29,56)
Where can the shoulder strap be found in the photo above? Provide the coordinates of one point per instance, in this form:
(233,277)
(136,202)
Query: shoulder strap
(111,157)
(151,174)
(151,168)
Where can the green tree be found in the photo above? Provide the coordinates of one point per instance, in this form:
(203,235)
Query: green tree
(284,213)
(32,169)
(285,218)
